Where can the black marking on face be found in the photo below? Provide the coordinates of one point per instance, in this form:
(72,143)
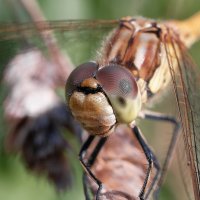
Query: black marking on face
(88,90)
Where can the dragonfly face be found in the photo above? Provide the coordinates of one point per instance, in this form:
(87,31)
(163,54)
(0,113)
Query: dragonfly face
(99,97)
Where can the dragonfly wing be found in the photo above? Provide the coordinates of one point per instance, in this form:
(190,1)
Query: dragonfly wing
(12,30)
(80,36)
(186,81)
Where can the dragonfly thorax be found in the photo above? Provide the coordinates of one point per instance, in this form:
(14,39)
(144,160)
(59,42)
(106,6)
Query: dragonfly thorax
(138,46)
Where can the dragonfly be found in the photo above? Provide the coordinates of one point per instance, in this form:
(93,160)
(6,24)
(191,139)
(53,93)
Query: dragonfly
(140,57)
(138,60)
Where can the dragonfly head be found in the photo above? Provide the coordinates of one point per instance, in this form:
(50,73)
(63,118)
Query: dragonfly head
(101,97)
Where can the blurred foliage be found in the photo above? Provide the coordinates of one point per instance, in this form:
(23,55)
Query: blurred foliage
(15,182)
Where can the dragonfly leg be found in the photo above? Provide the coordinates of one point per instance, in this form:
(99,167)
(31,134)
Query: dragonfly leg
(170,119)
(152,161)
(86,187)
(90,162)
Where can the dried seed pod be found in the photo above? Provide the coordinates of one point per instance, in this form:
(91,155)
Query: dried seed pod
(36,117)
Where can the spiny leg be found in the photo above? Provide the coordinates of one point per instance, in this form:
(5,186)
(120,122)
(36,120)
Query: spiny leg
(90,162)
(170,119)
(86,188)
(96,151)
(150,158)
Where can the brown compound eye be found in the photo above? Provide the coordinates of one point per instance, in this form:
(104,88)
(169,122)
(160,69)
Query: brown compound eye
(122,90)
(82,72)
(117,80)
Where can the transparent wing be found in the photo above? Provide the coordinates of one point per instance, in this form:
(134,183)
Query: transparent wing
(12,30)
(80,36)
(186,82)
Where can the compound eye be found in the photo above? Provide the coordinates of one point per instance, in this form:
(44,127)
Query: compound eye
(118,81)
(82,72)
(121,88)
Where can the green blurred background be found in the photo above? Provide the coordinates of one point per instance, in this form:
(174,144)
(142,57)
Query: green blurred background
(16,183)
